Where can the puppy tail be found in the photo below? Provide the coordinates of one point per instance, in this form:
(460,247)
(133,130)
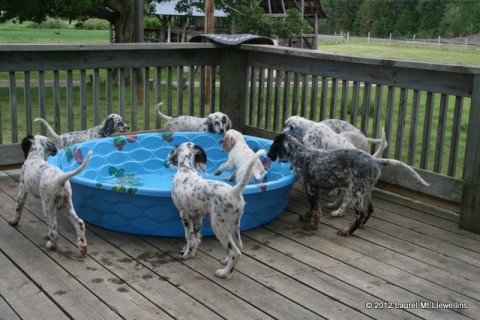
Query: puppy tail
(238,189)
(157,108)
(400,164)
(69,175)
(383,145)
(49,128)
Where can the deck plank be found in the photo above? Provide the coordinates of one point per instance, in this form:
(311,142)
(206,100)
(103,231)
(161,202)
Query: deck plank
(407,253)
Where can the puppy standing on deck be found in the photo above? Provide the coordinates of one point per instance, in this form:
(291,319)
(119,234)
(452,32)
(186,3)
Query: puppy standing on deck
(238,155)
(51,185)
(110,125)
(216,122)
(197,198)
(318,169)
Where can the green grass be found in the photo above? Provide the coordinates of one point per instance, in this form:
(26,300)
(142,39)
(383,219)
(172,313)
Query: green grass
(53,36)
(458,55)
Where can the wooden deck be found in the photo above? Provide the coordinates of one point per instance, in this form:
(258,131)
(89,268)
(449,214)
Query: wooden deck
(411,261)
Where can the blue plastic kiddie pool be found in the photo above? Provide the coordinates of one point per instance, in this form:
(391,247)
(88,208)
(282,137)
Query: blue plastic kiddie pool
(127,185)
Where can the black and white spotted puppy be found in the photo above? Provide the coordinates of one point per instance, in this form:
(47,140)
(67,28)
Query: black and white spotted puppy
(197,198)
(51,185)
(238,155)
(323,170)
(329,134)
(113,123)
(217,122)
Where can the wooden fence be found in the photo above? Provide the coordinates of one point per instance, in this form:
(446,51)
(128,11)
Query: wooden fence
(429,111)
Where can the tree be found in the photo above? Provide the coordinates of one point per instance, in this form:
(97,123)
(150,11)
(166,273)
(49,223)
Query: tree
(118,12)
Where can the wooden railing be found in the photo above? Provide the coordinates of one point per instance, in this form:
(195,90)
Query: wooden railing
(429,111)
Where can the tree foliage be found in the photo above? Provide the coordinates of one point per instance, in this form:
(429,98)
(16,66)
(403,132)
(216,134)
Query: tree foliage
(402,18)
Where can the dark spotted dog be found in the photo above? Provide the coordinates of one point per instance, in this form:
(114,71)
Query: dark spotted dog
(317,170)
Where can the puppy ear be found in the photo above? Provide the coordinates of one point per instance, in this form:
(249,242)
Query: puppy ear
(109,123)
(27,144)
(173,157)
(228,143)
(275,147)
(200,157)
(209,124)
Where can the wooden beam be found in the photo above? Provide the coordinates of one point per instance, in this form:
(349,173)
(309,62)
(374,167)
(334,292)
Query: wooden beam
(470,214)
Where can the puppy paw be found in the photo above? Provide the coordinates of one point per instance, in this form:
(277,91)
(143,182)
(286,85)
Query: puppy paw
(83,249)
(217,173)
(13,222)
(223,273)
(51,245)
(337,213)
(342,233)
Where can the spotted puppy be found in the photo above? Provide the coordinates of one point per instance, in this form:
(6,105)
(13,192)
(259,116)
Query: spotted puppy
(51,185)
(110,125)
(323,170)
(339,132)
(216,122)
(197,198)
(238,155)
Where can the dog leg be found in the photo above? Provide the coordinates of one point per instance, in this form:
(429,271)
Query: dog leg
(338,194)
(78,224)
(50,214)
(192,236)
(357,218)
(369,212)
(344,196)
(234,254)
(314,213)
(189,237)
(21,199)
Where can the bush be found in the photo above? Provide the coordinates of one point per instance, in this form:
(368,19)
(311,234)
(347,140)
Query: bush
(92,24)
(50,23)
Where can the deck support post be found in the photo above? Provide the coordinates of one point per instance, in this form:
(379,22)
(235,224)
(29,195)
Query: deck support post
(233,80)
(470,207)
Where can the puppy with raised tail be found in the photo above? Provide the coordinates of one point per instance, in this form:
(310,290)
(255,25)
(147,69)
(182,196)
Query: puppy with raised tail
(197,198)
(217,122)
(51,185)
(110,125)
(238,155)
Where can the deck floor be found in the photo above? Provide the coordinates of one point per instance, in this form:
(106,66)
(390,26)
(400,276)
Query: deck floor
(410,262)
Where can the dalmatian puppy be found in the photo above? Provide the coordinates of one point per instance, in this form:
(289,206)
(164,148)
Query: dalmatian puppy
(351,169)
(197,198)
(238,155)
(110,125)
(341,131)
(216,122)
(51,185)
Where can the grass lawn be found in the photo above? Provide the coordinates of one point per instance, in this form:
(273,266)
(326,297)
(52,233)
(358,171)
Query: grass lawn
(54,36)
(457,55)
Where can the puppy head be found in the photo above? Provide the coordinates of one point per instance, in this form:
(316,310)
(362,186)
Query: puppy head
(218,122)
(39,145)
(230,138)
(295,126)
(188,154)
(114,123)
(277,149)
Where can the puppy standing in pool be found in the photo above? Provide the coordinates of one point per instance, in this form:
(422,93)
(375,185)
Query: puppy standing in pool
(197,198)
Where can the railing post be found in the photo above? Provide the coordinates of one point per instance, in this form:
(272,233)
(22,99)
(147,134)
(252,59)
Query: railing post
(233,85)
(470,213)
